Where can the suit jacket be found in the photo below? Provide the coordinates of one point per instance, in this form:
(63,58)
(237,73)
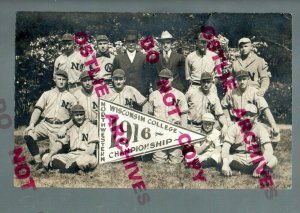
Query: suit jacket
(137,72)
(176,64)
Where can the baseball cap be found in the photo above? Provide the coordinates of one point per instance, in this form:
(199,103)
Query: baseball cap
(244,40)
(118,73)
(62,72)
(206,75)
(208,117)
(84,74)
(241,73)
(165,73)
(102,38)
(77,108)
(67,37)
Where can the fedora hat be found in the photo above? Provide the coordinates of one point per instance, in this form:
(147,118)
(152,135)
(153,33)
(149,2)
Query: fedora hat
(165,35)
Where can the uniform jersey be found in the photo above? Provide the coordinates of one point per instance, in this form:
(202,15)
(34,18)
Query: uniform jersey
(195,65)
(213,136)
(89,103)
(72,64)
(106,67)
(160,110)
(80,137)
(256,66)
(236,138)
(234,99)
(126,97)
(200,103)
(56,105)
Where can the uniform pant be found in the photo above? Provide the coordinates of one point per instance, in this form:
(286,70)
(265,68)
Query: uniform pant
(84,161)
(46,130)
(173,156)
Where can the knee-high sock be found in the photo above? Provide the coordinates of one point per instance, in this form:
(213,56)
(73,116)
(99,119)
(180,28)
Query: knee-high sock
(32,146)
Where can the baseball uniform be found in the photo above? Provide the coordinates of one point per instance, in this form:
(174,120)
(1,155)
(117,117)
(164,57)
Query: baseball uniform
(72,64)
(235,99)
(89,103)
(210,152)
(200,103)
(257,68)
(127,97)
(160,110)
(55,107)
(236,139)
(80,139)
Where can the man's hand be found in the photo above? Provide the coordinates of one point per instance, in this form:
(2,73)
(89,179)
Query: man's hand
(226,170)
(30,127)
(62,132)
(275,130)
(255,174)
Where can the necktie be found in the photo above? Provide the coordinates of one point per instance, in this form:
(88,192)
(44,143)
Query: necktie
(166,56)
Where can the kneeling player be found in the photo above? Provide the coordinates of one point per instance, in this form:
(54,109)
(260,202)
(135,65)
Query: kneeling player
(252,149)
(82,138)
(209,152)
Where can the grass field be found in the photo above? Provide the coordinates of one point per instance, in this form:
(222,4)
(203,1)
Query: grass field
(113,175)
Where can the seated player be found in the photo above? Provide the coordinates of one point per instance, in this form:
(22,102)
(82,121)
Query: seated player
(209,152)
(54,106)
(246,146)
(159,109)
(82,138)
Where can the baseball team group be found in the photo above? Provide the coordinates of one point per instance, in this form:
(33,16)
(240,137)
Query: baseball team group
(67,114)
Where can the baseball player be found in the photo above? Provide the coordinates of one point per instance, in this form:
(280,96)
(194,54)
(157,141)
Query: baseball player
(243,95)
(82,138)
(70,61)
(158,108)
(256,66)
(198,62)
(105,59)
(201,100)
(123,94)
(87,97)
(209,152)
(54,106)
(241,159)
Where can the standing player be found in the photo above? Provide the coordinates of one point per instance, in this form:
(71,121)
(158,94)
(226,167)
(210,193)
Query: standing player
(241,158)
(123,94)
(201,100)
(82,138)
(87,97)
(160,110)
(105,59)
(70,61)
(54,106)
(256,66)
(244,94)
(198,62)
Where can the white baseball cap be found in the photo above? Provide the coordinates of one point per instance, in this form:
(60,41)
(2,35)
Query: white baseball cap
(244,40)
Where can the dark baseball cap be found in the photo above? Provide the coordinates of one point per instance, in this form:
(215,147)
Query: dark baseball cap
(67,37)
(118,73)
(62,72)
(83,75)
(241,73)
(206,76)
(165,73)
(77,108)
(102,38)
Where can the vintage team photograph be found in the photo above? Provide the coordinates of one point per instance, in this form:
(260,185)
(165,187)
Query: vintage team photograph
(153,101)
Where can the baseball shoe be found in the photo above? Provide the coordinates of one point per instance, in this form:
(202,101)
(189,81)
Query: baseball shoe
(39,167)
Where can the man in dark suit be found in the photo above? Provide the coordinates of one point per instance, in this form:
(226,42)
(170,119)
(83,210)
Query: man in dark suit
(135,65)
(172,61)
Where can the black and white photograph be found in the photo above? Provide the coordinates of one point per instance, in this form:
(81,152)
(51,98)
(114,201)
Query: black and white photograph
(153,100)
